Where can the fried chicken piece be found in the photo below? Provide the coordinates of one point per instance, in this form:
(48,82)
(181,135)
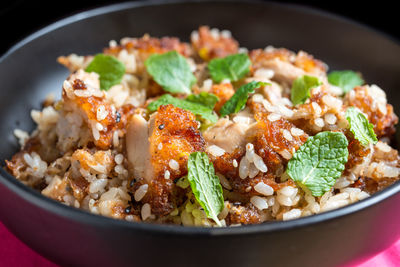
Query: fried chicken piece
(277,132)
(172,135)
(224,91)
(286,65)
(209,45)
(150,45)
(372,101)
(243,214)
(99,118)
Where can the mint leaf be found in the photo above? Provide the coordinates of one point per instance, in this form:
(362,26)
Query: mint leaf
(197,109)
(319,162)
(238,101)
(171,71)
(109,69)
(301,88)
(346,79)
(206,99)
(361,128)
(205,185)
(233,67)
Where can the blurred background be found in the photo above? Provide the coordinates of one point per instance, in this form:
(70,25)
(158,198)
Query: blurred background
(19,18)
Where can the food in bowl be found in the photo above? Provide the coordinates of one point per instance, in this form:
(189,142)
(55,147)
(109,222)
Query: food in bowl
(208,134)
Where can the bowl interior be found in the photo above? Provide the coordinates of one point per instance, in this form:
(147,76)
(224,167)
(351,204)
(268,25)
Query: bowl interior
(29,71)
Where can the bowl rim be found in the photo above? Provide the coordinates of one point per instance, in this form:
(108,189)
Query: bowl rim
(78,215)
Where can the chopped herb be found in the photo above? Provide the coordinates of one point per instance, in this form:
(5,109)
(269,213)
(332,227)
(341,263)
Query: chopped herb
(197,109)
(238,101)
(206,99)
(233,67)
(110,70)
(205,185)
(345,79)
(319,162)
(171,71)
(301,88)
(362,129)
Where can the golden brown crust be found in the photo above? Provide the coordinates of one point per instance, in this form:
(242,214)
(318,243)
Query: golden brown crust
(258,56)
(17,166)
(174,137)
(149,45)
(383,123)
(272,131)
(209,47)
(247,214)
(357,152)
(224,91)
(112,122)
(309,64)
(302,60)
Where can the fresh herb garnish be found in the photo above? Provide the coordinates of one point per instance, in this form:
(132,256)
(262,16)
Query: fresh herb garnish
(319,162)
(171,71)
(233,67)
(346,79)
(362,129)
(238,101)
(205,185)
(110,70)
(206,99)
(196,108)
(301,88)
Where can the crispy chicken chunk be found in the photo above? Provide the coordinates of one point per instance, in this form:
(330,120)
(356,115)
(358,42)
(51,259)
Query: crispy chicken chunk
(224,91)
(209,45)
(86,108)
(163,146)
(371,100)
(286,65)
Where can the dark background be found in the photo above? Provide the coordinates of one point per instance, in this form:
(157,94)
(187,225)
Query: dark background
(19,18)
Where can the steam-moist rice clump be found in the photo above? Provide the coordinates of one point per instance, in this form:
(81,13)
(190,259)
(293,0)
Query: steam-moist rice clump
(107,152)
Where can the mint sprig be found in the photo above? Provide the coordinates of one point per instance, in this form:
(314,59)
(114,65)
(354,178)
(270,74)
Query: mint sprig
(301,88)
(362,129)
(233,67)
(171,71)
(196,108)
(238,101)
(345,79)
(110,70)
(205,185)
(319,162)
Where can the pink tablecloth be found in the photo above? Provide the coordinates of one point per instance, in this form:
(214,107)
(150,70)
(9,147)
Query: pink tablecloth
(13,253)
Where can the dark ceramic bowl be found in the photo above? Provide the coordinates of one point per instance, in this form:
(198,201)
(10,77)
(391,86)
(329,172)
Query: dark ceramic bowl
(72,237)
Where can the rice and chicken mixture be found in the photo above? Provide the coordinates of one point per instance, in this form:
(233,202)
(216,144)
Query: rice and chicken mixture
(207,133)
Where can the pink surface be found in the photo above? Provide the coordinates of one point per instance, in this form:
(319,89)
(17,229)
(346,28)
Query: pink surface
(13,253)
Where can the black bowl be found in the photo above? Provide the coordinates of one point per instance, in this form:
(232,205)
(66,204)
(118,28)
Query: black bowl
(72,237)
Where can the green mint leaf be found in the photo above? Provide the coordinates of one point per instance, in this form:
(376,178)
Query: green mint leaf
(233,67)
(238,101)
(301,88)
(171,71)
(319,162)
(346,79)
(206,99)
(361,128)
(205,185)
(109,69)
(197,109)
